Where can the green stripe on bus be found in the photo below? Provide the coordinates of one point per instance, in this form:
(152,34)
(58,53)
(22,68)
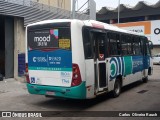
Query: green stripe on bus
(76,92)
(50,69)
(128,65)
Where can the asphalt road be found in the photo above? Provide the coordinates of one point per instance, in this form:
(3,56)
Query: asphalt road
(136,97)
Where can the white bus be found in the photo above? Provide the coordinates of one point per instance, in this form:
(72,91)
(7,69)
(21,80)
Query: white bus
(83,59)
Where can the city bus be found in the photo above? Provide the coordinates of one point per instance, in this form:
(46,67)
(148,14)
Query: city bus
(83,59)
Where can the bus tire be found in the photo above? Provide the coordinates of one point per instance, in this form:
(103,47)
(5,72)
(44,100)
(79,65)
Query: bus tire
(145,80)
(117,88)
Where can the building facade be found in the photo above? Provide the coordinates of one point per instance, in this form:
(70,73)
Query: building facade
(64,4)
(143,18)
(14,16)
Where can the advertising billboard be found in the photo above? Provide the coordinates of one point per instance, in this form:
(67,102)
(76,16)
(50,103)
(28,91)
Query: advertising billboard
(150,29)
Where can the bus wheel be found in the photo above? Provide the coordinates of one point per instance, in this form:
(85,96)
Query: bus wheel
(117,88)
(145,80)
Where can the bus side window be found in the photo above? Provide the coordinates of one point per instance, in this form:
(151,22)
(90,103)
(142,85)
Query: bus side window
(142,45)
(124,45)
(87,44)
(114,46)
(129,44)
(137,46)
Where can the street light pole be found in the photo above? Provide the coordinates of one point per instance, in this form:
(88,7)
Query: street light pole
(73,8)
(118,10)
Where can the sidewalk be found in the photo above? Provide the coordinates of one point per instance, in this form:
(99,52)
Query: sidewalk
(12,87)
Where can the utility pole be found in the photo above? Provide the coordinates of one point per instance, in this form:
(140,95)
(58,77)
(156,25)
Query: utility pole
(91,7)
(73,8)
(118,10)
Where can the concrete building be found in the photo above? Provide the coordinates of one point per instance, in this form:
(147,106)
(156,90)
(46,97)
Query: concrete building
(143,18)
(64,4)
(14,16)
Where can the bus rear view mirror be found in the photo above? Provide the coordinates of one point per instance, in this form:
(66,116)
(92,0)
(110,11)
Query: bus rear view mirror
(150,45)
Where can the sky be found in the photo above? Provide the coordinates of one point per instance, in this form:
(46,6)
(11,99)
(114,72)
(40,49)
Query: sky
(113,3)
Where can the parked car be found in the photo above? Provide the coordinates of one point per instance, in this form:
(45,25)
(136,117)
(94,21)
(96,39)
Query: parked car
(156,59)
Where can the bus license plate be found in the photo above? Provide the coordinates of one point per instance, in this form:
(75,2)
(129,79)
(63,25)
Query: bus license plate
(50,93)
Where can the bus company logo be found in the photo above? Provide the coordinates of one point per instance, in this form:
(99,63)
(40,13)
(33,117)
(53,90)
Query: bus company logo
(40,59)
(116,67)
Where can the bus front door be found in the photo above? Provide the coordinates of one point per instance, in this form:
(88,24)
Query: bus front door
(101,81)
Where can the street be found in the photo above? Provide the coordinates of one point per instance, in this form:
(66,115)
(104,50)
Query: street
(136,97)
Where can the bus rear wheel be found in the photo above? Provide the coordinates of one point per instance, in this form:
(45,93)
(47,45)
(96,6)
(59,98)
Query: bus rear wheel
(145,80)
(117,88)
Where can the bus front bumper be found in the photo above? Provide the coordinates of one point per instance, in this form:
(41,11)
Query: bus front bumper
(76,92)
